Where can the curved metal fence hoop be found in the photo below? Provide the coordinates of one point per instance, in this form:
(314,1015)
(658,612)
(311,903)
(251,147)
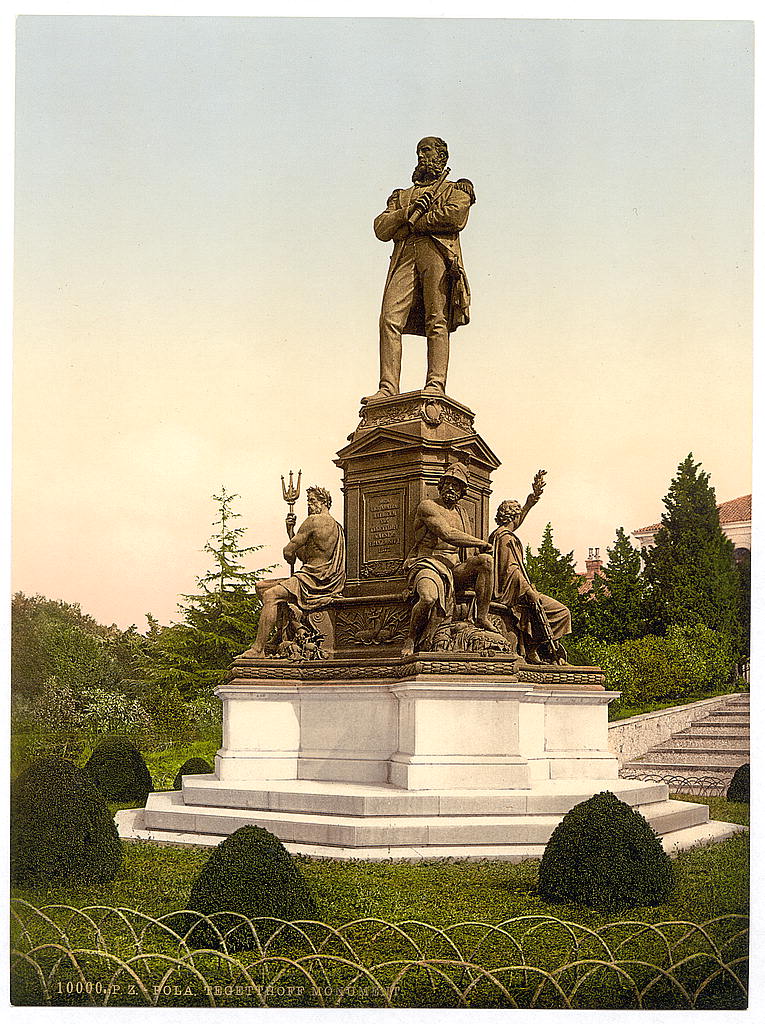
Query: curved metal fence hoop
(726,968)
(576,931)
(618,966)
(18,920)
(360,969)
(233,963)
(428,966)
(640,928)
(20,954)
(398,928)
(122,913)
(176,963)
(489,931)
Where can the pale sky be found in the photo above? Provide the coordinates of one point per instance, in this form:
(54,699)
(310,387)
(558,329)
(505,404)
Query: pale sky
(197,284)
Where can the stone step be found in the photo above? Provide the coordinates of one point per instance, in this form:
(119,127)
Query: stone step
(683,766)
(702,729)
(167,811)
(703,744)
(132,825)
(701,751)
(380,799)
(693,757)
(725,718)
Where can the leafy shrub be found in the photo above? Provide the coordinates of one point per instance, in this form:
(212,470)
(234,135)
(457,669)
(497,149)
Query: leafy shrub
(53,707)
(250,873)
(169,713)
(605,855)
(738,790)
(206,711)
(61,826)
(194,766)
(688,660)
(107,713)
(118,770)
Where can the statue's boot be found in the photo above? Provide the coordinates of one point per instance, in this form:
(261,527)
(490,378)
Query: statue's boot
(382,393)
(438,363)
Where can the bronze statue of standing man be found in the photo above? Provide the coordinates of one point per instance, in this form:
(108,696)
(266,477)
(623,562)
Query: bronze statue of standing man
(426,291)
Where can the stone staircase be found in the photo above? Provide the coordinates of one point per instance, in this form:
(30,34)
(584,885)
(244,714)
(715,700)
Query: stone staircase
(702,758)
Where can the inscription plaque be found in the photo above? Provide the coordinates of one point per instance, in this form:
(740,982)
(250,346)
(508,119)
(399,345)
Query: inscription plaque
(383,526)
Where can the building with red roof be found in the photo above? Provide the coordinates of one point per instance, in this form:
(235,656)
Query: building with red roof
(735,520)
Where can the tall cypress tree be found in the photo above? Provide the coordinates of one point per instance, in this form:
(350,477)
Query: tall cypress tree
(218,622)
(617,606)
(690,569)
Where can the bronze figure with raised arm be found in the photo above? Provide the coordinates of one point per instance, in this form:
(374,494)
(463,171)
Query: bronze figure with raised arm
(541,621)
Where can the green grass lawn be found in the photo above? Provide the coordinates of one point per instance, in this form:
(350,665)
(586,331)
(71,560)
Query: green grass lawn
(711,882)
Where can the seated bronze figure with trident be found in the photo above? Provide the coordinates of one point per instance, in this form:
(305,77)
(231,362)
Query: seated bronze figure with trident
(320,545)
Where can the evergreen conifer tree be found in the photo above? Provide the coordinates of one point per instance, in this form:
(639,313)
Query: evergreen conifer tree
(219,622)
(690,569)
(554,574)
(617,604)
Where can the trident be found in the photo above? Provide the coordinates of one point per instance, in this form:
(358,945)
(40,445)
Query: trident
(291,493)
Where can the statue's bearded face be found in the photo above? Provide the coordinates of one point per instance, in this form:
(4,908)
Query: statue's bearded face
(451,491)
(315,505)
(431,160)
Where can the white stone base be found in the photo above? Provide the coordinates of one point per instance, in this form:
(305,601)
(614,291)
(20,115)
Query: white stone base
(427,767)
(435,733)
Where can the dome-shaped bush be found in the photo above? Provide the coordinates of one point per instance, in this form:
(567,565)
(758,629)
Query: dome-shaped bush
(194,766)
(252,874)
(61,826)
(605,855)
(738,789)
(118,770)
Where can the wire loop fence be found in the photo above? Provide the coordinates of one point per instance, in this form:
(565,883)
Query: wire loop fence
(105,956)
(697,785)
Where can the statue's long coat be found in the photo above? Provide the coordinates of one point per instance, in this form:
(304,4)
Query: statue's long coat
(443,222)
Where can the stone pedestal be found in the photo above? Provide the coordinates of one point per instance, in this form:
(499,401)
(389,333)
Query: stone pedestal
(424,766)
(394,459)
(430,731)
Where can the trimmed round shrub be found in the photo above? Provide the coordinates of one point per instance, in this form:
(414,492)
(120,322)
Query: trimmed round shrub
(118,770)
(60,826)
(605,855)
(194,766)
(252,874)
(738,790)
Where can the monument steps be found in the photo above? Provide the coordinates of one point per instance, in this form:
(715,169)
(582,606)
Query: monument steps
(171,811)
(168,819)
(363,800)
